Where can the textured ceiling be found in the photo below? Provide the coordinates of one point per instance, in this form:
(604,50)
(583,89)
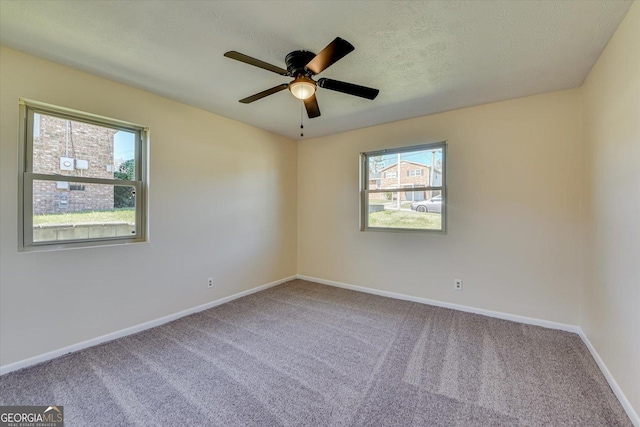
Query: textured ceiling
(425,57)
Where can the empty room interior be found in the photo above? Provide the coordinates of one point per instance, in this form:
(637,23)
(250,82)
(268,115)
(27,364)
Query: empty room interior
(320,213)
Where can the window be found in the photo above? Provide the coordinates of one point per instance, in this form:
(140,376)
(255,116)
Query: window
(414,199)
(83,178)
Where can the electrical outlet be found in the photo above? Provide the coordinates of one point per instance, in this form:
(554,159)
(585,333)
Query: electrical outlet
(210,282)
(457,284)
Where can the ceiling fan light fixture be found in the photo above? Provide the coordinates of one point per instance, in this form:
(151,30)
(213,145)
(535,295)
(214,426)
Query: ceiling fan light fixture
(302,66)
(302,87)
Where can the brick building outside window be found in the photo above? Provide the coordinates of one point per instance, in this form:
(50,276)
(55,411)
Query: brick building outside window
(412,174)
(71,148)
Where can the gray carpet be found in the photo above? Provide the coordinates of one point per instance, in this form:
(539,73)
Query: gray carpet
(303,354)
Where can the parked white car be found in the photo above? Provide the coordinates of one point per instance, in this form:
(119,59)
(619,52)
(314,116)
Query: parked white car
(434,204)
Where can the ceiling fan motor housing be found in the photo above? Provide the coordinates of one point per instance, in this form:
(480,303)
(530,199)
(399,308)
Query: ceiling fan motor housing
(296,62)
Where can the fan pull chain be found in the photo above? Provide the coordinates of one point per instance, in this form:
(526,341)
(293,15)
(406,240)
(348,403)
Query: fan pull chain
(301,126)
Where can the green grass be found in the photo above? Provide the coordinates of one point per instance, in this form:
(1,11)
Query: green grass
(405,219)
(116,215)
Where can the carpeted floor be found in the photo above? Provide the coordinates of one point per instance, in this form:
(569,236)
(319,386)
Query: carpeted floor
(305,354)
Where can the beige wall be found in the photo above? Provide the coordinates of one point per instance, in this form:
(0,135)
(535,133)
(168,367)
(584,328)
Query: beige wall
(611,206)
(222,205)
(514,209)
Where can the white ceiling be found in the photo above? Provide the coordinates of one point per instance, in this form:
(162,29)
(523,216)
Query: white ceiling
(425,57)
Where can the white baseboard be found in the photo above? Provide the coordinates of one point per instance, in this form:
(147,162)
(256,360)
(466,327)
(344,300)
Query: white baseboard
(459,307)
(633,416)
(131,330)
(635,419)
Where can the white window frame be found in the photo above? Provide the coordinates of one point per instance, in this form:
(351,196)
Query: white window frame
(365,190)
(388,175)
(27,177)
(414,172)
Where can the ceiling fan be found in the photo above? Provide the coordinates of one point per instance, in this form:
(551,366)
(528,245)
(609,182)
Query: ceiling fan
(302,66)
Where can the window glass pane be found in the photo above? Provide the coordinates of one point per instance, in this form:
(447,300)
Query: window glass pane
(405,209)
(72,148)
(73,210)
(421,168)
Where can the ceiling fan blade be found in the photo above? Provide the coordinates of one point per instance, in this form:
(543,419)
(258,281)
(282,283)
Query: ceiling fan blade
(311,104)
(331,54)
(350,88)
(264,93)
(255,62)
